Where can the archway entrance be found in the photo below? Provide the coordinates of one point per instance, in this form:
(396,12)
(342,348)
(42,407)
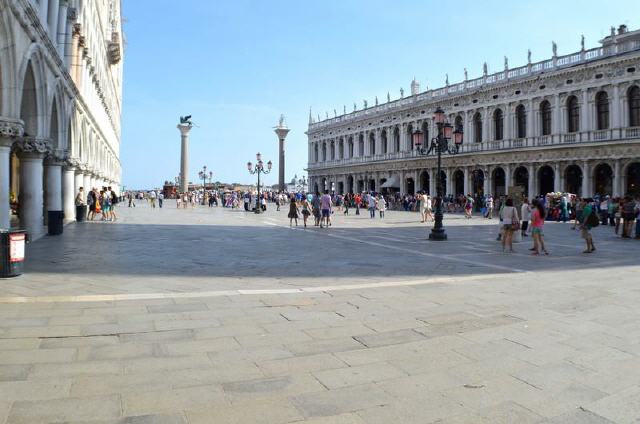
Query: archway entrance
(350,184)
(360,186)
(573,179)
(546,178)
(411,186)
(478,182)
(458,182)
(633,179)
(372,185)
(340,188)
(424,181)
(499,182)
(382,188)
(603,179)
(324,185)
(521,178)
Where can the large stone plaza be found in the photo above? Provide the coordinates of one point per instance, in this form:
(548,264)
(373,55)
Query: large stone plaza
(213,315)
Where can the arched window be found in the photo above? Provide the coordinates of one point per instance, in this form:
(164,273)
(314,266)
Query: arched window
(384,141)
(634,106)
(498,124)
(396,139)
(602,110)
(521,121)
(341,149)
(315,153)
(477,127)
(372,144)
(425,133)
(545,117)
(458,123)
(333,150)
(324,152)
(573,115)
(361,145)
(350,147)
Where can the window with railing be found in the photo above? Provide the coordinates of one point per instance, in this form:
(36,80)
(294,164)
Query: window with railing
(602,110)
(477,127)
(545,117)
(498,124)
(573,111)
(634,106)
(521,121)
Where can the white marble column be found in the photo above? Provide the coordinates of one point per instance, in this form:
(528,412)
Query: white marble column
(63,29)
(532,181)
(87,182)
(585,121)
(184,157)
(43,12)
(31,194)
(555,122)
(586,180)
(507,179)
(433,178)
(486,183)
(53,178)
(5,208)
(68,193)
(617,179)
(531,117)
(557,181)
(52,20)
(79,182)
(466,180)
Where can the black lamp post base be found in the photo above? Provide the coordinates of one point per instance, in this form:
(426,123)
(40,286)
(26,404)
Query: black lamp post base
(438,235)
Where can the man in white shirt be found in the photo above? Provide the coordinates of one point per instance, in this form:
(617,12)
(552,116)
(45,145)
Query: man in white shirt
(152,198)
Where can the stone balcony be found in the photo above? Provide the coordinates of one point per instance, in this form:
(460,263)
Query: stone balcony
(593,136)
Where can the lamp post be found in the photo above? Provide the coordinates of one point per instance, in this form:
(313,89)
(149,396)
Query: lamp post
(258,168)
(203,176)
(439,145)
(301,183)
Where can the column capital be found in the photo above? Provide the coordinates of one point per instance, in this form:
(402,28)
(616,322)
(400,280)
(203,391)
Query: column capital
(10,129)
(33,146)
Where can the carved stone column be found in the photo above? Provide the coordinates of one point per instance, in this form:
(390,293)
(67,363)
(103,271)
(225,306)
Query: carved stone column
(617,178)
(507,178)
(69,191)
(466,180)
(531,170)
(586,179)
(32,153)
(557,182)
(9,130)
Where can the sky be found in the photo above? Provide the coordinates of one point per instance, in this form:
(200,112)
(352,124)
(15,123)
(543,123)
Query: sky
(236,65)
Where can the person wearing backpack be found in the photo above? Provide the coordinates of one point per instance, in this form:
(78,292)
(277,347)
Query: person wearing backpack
(589,220)
(628,216)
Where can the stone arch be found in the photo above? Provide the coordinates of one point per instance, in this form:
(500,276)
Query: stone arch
(632,179)
(477,182)
(7,68)
(341,148)
(424,181)
(498,124)
(383,142)
(361,145)
(350,184)
(33,91)
(573,179)
(521,178)
(499,182)
(546,179)
(458,182)
(54,124)
(603,179)
(372,143)
(396,139)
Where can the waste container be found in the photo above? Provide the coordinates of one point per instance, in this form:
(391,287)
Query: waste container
(81,213)
(12,244)
(55,220)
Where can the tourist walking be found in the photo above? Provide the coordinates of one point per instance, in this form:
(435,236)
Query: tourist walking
(315,204)
(305,211)
(489,206)
(537,224)
(325,207)
(293,211)
(152,198)
(80,199)
(371,204)
(382,206)
(510,223)
(160,199)
(358,199)
(468,207)
(525,214)
(589,220)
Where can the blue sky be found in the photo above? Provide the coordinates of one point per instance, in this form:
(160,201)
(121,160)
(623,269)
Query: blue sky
(236,65)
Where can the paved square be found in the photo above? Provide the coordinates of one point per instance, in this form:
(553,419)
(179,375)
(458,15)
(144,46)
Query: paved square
(219,316)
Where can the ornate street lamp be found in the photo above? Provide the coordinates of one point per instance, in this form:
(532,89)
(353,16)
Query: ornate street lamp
(439,145)
(258,169)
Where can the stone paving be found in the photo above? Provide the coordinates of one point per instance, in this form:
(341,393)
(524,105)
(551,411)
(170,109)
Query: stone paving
(219,316)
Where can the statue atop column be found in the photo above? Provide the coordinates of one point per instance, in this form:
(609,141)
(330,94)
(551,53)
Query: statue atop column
(184,126)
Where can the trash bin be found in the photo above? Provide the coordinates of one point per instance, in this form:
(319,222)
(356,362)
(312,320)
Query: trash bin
(81,213)
(55,220)
(12,244)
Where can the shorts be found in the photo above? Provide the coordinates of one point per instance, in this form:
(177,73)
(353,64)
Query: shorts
(585,233)
(325,213)
(106,208)
(507,227)
(536,230)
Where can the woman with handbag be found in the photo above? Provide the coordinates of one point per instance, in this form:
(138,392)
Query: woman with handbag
(510,223)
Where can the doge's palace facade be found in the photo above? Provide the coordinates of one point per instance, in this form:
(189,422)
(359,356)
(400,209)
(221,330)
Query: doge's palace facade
(569,123)
(60,105)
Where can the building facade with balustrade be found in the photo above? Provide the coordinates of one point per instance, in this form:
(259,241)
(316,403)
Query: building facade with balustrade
(570,123)
(60,105)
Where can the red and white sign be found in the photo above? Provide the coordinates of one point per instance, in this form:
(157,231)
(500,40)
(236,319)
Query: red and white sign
(16,247)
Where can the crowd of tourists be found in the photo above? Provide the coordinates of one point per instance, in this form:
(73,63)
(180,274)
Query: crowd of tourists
(100,203)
